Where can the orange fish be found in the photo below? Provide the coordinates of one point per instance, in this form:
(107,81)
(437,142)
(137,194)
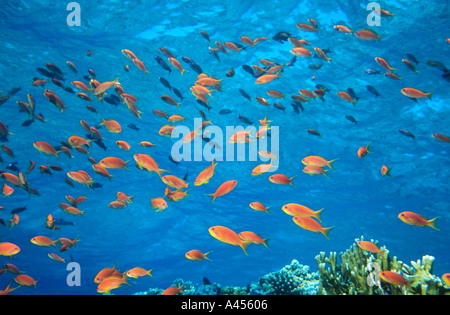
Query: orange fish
(345,96)
(253,238)
(281,179)
(370,247)
(311,225)
(105,273)
(385,171)
(124,198)
(298,210)
(138,272)
(140,65)
(78,141)
(175,195)
(440,137)
(415,93)
(146,144)
(176,64)
(73,211)
(228,236)
(146,162)
(46,148)
(307,27)
(262,168)
(322,55)
(394,278)
(25,280)
(240,137)
(166,130)
(174,182)
(417,220)
(173,290)
(446,276)
(111,283)
(195,254)
(224,189)
(258,206)
(8,249)
(301,52)
(362,151)
(99,169)
(81,177)
(55,257)
(232,46)
(205,175)
(247,40)
(103,87)
(123,145)
(318,161)
(11,178)
(169,100)
(111,125)
(117,205)
(7,190)
(8,289)
(266,78)
(314,170)
(81,86)
(113,162)
(382,62)
(367,34)
(158,203)
(343,29)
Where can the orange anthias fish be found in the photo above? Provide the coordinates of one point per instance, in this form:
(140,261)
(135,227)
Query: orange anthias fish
(158,203)
(417,220)
(382,62)
(8,289)
(253,238)
(370,247)
(228,236)
(174,182)
(385,171)
(146,162)
(197,255)
(345,96)
(81,177)
(173,290)
(314,170)
(205,175)
(440,137)
(258,206)
(105,273)
(25,280)
(298,210)
(281,179)
(318,161)
(311,225)
(103,87)
(9,249)
(46,148)
(224,189)
(43,241)
(7,190)
(111,125)
(113,162)
(138,272)
(367,34)
(415,93)
(111,283)
(176,64)
(322,55)
(362,151)
(394,278)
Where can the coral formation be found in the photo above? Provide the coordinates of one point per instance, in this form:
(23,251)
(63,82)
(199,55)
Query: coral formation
(359,274)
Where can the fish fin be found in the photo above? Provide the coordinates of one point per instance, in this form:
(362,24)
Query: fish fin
(265,242)
(291,179)
(429,95)
(244,246)
(326,231)
(329,164)
(432,223)
(267,210)
(206,256)
(317,214)
(213,197)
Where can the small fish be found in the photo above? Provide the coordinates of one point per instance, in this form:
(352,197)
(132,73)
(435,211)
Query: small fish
(281,36)
(256,205)
(441,137)
(165,83)
(225,111)
(413,58)
(407,133)
(352,93)
(412,218)
(362,151)
(248,69)
(371,71)
(372,90)
(311,225)
(386,171)
(415,93)
(244,94)
(18,210)
(245,119)
(228,236)
(351,119)
(224,189)
(163,64)
(133,126)
(197,255)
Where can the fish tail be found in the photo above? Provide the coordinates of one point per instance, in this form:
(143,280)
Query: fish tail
(244,245)
(291,179)
(317,214)
(432,223)
(325,231)
(265,242)
(329,164)
(213,198)
(206,256)
(267,210)
(429,95)
(125,165)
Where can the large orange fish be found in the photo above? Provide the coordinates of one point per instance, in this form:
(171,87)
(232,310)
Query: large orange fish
(111,125)
(174,182)
(228,236)
(205,175)
(45,147)
(176,64)
(253,238)
(224,189)
(111,283)
(370,247)
(25,280)
(281,179)
(146,162)
(311,225)
(103,87)
(9,249)
(415,93)
(256,205)
(138,272)
(113,162)
(298,210)
(367,34)
(173,290)
(43,241)
(417,220)
(394,278)
(158,203)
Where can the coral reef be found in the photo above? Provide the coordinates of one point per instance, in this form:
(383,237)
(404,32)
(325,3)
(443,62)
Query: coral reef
(359,274)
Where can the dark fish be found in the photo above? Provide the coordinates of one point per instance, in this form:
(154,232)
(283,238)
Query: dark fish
(204,104)
(2,222)
(279,106)
(69,89)
(196,67)
(188,60)
(186,176)
(177,93)
(69,182)
(3,99)
(315,67)
(96,185)
(202,113)
(14,91)
(299,105)
(63,222)
(13,167)
(109,100)
(225,111)
(322,87)
(437,64)
(351,118)
(314,132)
(215,53)
(206,281)
(371,71)
(163,64)
(292,61)
(244,94)
(115,98)
(165,83)
(281,36)
(245,119)
(407,133)
(352,93)
(18,210)
(413,58)
(372,90)
(296,109)
(45,72)
(248,69)
(133,126)
(53,68)
(446,76)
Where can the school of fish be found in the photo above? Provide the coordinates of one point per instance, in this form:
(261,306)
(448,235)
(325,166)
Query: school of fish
(62,88)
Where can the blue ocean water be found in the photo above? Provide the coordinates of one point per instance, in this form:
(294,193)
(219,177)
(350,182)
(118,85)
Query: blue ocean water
(357,199)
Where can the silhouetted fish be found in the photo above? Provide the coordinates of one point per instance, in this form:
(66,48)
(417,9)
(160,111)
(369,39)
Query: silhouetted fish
(165,83)
(13,167)
(244,119)
(413,58)
(196,67)
(225,111)
(372,90)
(163,64)
(352,94)
(133,126)
(407,133)
(248,69)
(60,221)
(18,210)
(281,36)
(206,281)
(351,118)
(177,93)
(244,94)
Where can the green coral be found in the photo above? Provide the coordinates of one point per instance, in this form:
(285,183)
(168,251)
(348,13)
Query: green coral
(358,274)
